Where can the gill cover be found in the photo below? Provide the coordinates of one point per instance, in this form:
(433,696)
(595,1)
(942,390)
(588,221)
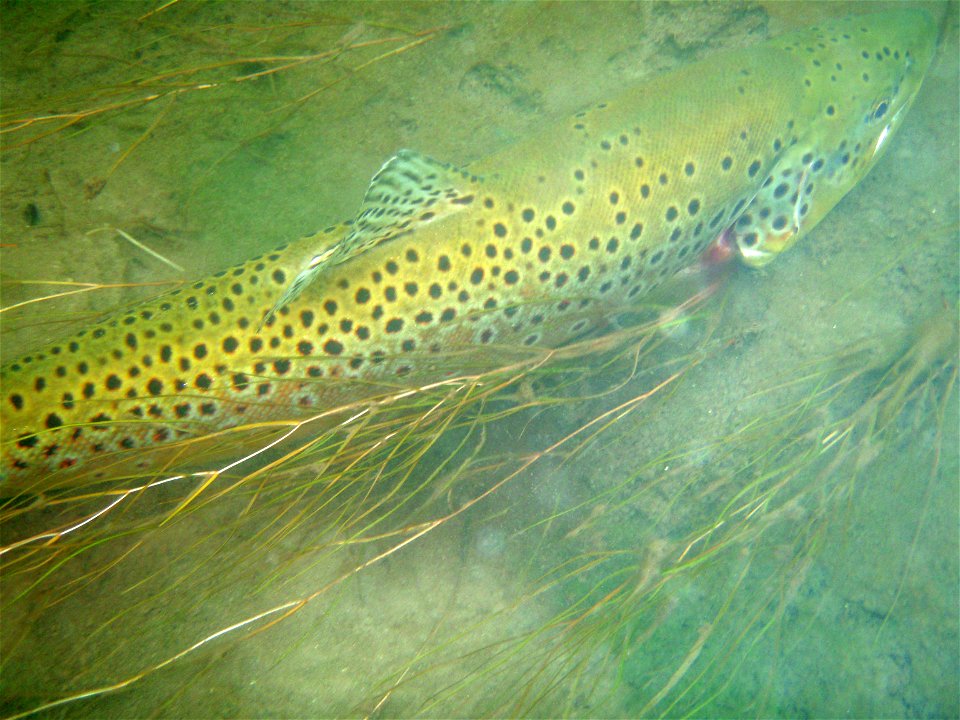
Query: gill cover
(862,74)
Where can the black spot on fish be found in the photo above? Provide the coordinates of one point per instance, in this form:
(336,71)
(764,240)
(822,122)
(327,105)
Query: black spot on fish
(332,347)
(31,214)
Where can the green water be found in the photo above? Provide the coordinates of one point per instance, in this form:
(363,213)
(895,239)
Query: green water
(840,598)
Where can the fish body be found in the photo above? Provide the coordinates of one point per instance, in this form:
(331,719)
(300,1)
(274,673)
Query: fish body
(446,269)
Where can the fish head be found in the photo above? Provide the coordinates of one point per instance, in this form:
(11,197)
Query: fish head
(861,75)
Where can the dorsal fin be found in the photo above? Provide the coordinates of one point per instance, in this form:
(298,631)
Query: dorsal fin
(409,190)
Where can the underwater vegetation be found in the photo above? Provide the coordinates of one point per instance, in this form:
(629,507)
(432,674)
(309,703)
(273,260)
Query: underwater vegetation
(739,500)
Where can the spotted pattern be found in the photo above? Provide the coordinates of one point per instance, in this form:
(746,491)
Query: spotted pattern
(551,235)
(857,78)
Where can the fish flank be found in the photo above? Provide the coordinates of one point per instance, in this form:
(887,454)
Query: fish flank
(532,247)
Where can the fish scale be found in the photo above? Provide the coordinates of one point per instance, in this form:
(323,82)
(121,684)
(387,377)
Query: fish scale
(530,247)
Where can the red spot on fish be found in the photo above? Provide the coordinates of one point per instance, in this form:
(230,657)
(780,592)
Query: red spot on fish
(720,251)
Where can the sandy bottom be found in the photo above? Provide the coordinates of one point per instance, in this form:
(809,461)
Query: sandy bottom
(843,603)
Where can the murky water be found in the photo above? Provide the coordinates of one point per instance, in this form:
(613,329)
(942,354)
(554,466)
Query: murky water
(772,533)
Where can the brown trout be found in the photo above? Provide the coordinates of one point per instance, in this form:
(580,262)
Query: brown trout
(444,268)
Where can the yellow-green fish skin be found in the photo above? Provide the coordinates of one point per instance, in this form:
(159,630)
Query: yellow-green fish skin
(861,94)
(529,248)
